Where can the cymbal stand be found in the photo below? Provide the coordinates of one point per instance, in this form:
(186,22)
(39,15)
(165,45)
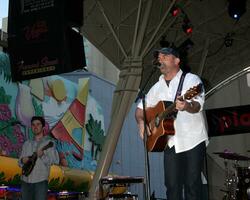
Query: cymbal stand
(226,194)
(231,181)
(234,181)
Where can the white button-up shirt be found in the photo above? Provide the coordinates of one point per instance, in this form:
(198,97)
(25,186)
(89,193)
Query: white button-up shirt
(190,128)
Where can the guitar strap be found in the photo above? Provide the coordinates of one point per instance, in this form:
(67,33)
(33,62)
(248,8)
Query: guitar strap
(178,92)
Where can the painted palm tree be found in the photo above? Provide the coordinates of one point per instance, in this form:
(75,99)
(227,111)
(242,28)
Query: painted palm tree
(5,66)
(96,134)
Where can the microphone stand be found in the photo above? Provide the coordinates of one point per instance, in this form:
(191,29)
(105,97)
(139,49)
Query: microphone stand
(141,95)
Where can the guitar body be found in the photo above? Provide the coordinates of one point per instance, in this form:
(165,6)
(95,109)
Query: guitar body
(28,167)
(159,129)
(160,120)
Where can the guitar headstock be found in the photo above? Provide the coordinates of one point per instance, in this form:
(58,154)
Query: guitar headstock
(194,91)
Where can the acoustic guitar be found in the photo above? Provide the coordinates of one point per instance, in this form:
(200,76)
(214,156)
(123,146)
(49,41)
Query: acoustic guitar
(29,165)
(160,120)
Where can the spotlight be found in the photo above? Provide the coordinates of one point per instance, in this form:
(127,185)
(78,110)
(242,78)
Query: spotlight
(236,8)
(175,11)
(187,26)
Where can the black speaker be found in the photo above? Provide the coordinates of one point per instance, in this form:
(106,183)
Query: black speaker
(42,40)
(74,12)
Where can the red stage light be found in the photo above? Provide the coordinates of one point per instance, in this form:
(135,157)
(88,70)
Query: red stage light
(175,11)
(189,30)
(187,27)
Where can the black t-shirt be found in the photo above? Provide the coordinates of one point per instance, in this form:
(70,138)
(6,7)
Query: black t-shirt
(168,81)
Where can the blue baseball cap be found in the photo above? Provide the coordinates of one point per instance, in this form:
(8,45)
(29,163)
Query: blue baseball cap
(167,51)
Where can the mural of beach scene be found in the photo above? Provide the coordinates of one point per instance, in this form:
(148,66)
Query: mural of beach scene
(74,119)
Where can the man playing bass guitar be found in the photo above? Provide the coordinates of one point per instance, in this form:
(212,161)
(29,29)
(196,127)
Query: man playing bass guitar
(36,158)
(184,150)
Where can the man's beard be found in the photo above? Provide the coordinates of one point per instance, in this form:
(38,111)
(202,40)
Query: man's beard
(164,68)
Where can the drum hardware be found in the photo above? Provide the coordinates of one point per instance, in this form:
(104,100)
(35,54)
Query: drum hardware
(231,180)
(237,178)
(244,183)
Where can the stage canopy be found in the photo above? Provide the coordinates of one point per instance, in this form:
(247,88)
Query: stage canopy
(133,28)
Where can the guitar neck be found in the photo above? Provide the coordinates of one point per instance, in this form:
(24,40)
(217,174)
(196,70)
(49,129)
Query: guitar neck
(50,144)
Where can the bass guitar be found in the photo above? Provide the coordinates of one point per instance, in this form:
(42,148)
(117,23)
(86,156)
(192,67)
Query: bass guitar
(160,120)
(29,165)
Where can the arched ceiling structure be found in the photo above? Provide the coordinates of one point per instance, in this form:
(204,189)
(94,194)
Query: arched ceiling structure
(113,26)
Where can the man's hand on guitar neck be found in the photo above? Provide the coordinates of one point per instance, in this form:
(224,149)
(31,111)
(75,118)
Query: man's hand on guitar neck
(191,107)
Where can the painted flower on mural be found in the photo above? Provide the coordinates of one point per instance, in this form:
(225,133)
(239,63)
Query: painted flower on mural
(5,112)
(5,144)
(12,146)
(20,137)
(11,136)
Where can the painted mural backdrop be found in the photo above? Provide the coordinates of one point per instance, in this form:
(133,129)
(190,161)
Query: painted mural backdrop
(73,118)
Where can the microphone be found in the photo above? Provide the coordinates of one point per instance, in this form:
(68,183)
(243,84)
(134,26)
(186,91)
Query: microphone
(156,63)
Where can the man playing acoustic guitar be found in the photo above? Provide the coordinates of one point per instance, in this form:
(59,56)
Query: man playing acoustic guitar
(36,158)
(184,150)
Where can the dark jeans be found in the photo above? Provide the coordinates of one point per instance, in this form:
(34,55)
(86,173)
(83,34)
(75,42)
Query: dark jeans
(184,169)
(34,191)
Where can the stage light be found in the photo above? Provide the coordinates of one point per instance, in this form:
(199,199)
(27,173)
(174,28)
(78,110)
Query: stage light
(236,8)
(175,11)
(188,29)
(187,26)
